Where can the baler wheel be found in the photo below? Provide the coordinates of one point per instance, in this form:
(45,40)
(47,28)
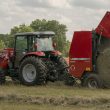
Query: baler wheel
(32,71)
(91,80)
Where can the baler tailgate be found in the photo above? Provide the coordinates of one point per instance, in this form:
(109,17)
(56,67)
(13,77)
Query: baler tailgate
(104,26)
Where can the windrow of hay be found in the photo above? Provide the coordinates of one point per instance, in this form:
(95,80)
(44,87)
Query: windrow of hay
(64,101)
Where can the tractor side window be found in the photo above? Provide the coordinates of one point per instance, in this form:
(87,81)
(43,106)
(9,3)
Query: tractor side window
(31,40)
(21,43)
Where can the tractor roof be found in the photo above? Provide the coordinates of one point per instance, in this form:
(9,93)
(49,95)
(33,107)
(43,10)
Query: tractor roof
(36,33)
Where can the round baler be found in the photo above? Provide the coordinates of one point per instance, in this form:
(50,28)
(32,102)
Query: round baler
(90,55)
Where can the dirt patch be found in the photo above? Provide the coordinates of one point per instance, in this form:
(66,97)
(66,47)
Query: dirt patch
(80,101)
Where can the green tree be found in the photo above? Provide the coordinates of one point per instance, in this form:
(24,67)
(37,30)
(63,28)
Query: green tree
(3,40)
(66,49)
(2,44)
(20,28)
(39,25)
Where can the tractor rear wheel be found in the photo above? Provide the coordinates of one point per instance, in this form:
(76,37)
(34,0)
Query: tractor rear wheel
(52,73)
(91,81)
(32,71)
(61,67)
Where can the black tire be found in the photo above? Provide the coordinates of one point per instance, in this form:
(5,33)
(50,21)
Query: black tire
(2,77)
(61,67)
(69,80)
(39,71)
(91,81)
(52,71)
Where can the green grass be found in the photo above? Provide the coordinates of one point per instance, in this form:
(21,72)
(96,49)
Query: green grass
(52,89)
(55,90)
(5,106)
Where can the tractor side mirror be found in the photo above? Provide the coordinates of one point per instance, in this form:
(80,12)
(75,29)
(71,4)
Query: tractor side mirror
(54,44)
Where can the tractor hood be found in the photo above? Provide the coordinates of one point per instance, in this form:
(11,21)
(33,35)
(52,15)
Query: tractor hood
(104,26)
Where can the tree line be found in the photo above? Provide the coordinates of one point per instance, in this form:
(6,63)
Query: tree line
(6,40)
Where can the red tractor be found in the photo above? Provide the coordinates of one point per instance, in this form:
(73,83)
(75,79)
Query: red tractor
(33,60)
(89,56)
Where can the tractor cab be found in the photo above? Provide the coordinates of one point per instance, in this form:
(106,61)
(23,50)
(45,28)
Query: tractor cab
(32,43)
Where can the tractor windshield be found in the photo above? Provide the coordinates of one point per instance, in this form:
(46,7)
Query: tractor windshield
(44,44)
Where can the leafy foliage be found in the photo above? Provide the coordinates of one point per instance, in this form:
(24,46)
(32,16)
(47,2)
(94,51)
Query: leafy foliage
(2,45)
(20,28)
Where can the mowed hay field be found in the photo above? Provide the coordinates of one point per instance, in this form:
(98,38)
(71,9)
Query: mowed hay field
(53,96)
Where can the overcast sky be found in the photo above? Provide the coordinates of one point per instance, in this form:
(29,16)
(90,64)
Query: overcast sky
(76,14)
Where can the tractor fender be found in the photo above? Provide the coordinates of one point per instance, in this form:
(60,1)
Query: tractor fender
(36,54)
(56,53)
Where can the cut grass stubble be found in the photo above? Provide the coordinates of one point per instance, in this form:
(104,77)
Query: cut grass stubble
(54,96)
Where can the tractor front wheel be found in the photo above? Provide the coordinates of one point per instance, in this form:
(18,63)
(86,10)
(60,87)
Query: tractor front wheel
(91,81)
(32,71)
